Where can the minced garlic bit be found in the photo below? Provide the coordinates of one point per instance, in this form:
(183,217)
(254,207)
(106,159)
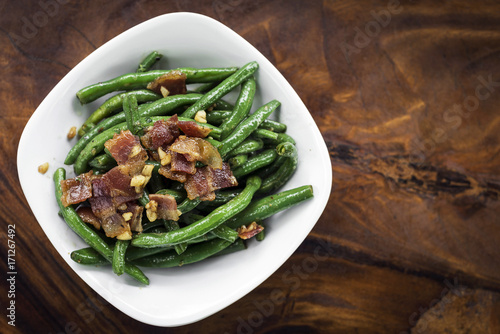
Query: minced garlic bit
(135,150)
(201,116)
(43,168)
(122,207)
(137,182)
(72,132)
(151,209)
(165,158)
(164,91)
(127,216)
(147,170)
(127,235)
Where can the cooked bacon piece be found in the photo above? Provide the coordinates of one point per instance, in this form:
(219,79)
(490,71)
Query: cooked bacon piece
(179,163)
(133,215)
(86,214)
(167,206)
(76,190)
(118,181)
(252,230)
(193,129)
(206,180)
(197,149)
(102,206)
(169,174)
(126,148)
(174,82)
(161,134)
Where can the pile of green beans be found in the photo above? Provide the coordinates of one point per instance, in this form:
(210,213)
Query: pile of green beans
(261,155)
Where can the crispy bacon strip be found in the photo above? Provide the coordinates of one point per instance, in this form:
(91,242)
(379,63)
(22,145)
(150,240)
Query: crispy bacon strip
(118,181)
(161,134)
(126,148)
(206,180)
(197,149)
(76,190)
(181,163)
(104,208)
(167,206)
(169,174)
(193,129)
(86,214)
(174,82)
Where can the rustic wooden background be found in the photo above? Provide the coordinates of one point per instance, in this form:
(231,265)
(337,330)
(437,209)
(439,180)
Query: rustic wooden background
(407,97)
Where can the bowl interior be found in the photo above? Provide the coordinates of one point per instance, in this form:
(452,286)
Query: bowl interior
(182,295)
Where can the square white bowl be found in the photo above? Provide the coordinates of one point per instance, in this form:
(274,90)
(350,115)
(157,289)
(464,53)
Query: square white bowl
(183,295)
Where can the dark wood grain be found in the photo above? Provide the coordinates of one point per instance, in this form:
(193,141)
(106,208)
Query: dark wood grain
(406,96)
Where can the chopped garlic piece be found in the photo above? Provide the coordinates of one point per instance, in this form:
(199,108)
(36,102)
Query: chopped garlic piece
(165,158)
(43,168)
(72,132)
(147,170)
(127,216)
(164,91)
(127,235)
(151,209)
(135,150)
(201,116)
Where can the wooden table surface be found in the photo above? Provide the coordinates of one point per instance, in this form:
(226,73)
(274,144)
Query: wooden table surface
(407,98)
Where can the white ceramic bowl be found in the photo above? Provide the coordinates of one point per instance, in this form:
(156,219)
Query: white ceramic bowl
(187,294)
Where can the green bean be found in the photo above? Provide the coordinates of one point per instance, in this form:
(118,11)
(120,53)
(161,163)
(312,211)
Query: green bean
(247,146)
(113,104)
(130,109)
(266,134)
(226,233)
(262,234)
(148,62)
(193,254)
(270,205)
(216,117)
(221,231)
(188,205)
(221,197)
(236,246)
(118,263)
(156,108)
(150,225)
(208,223)
(222,105)
(103,162)
(166,106)
(274,126)
(86,233)
(206,87)
(171,225)
(132,81)
(89,256)
(238,160)
(284,172)
(246,127)
(96,145)
(257,161)
(241,107)
(222,89)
